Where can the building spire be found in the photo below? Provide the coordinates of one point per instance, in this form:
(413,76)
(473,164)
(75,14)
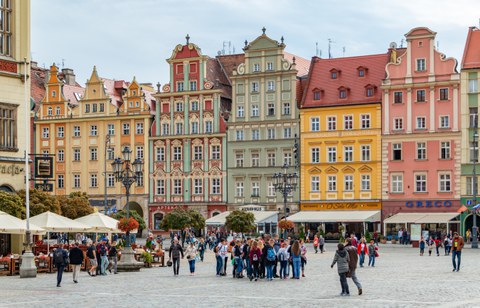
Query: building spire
(187,38)
(263,30)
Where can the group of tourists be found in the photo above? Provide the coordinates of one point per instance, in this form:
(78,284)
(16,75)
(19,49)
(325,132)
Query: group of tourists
(453,243)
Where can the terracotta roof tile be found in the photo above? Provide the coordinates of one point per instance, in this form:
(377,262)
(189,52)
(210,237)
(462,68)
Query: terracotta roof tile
(302,64)
(471,53)
(230,62)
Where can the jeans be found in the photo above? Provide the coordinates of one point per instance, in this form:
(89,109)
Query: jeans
(76,271)
(248,267)
(362,259)
(225,261)
(355,279)
(104,265)
(296,267)
(269,271)
(371,260)
(255,268)
(457,254)
(176,265)
(202,252)
(344,283)
(113,263)
(283,269)
(239,265)
(192,265)
(219,264)
(60,269)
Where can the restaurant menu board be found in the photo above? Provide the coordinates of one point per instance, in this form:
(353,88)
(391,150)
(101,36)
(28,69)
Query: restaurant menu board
(415,232)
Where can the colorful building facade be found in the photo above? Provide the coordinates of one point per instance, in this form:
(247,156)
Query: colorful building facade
(188,149)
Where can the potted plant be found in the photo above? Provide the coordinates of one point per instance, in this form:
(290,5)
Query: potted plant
(382,239)
(147,259)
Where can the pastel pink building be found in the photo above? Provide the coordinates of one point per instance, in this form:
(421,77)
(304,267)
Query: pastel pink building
(421,143)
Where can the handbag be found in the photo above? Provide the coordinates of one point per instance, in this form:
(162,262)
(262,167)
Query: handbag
(169,263)
(349,274)
(376,254)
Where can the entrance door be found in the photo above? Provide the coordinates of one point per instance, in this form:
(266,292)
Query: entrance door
(469,223)
(5,244)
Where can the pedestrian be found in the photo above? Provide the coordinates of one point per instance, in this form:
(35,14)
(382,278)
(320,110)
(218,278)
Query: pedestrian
(372,253)
(237,253)
(431,245)
(92,257)
(282,256)
(113,258)
(468,235)
(174,254)
(321,243)
(261,267)
(303,256)
(60,259)
(400,236)
(76,260)
(352,264)
(99,258)
(448,245)
(438,244)
(224,255)
(457,246)
(246,257)
(276,247)
(270,258)
(375,237)
(342,260)
(315,243)
(421,245)
(218,257)
(362,250)
(201,248)
(103,257)
(255,255)
(296,259)
(191,254)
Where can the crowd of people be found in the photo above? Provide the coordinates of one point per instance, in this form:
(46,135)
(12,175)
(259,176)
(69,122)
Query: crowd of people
(453,243)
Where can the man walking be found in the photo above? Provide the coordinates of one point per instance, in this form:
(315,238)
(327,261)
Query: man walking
(352,264)
(92,256)
(60,257)
(113,257)
(76,259)
(457,246)
(174,254)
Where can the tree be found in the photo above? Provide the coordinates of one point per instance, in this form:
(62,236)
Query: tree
(177,219)
(197,221)
(141,223)
(240,221)
(75,205)
(41,202)
(12,204)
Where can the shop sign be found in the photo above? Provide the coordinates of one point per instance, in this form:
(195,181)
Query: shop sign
(252,208)
(48,187)
(10,169)
(43,167)
(428,203)
(341,206)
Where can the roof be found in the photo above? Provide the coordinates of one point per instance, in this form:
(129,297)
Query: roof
(73,94)
(113,89)
(260,217)
(302,64)
(421,218)
(37,83)
(217,75)
(347,68)
(230,62)
(336,216)
(471,53)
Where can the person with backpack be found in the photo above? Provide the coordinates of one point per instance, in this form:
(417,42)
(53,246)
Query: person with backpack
(174,254)
(60,259)
(342,260)
(421,245)
(76,260)
(92,257)
(303,256)
(270,259)
(315,243)
(282,256)
(296,259)
(276,247)
(255,255)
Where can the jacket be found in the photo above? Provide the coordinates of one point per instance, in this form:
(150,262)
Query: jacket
(191,252)
(256,251)
(64,259)
(365,248)
(175,251)
(371,250)
(76,256)
(353,257)
(460,243)
(342,259)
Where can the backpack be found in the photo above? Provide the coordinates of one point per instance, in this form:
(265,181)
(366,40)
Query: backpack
(255,256)
(271,254)
(58,256)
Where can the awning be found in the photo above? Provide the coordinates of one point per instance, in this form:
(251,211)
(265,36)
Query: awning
(336,216)
(260,217)
(52,222)
(100,223)
(12,225)
(421,218)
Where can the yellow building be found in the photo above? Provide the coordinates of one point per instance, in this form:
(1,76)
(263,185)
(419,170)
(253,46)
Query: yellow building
(87,128)
(340,122)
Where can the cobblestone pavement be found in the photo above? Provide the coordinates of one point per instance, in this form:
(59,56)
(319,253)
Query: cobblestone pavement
(401,278)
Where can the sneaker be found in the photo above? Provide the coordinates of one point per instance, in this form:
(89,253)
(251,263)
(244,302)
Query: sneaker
(58,285)
(454,270)
(342,294)
(110,270)
(256,279)
(75,281)
(303,275)
(360,291)
(89,273)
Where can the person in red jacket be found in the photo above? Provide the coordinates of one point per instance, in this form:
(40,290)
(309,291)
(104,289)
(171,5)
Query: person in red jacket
(362,250)
(255,255)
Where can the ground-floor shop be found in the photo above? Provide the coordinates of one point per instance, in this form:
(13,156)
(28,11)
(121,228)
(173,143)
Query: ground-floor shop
(266,222)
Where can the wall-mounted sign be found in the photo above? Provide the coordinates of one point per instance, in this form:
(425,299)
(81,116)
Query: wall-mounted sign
(10,169)
(428,203)
(44,186)
(335,206)
(43,167)
(252,208)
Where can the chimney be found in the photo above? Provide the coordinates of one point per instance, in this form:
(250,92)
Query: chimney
(69,76)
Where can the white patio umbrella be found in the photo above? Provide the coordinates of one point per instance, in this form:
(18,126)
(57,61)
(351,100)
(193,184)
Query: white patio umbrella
(100,223)
(12,225)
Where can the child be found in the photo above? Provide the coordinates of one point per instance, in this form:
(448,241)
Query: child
(431,245)
(315,243)
(422,246)
(342,259)
(372,253)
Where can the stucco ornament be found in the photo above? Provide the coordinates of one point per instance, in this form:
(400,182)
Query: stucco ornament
(241,69)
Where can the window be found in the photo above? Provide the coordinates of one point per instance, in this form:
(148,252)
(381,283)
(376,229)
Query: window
(87,108)
(271,159)
(177,187)
(256,67)
(369,92)
(255,134)
(287,132)
(445,150)
(139,128)
(139,152)
(94,107)
(365,119)
(76,154)
(126,128)
(139,182)
(197,186)
(331,123)
(445,182)
(421,150)
(102,107)
(317,95)
(179,128)
(397,183)
(57,110)
(6,21)
(111,129)
(194,127)
(365,152)
(342,94)
(421,65)
(215,186)
(255,159)
(333,75)
(348,153)
(444,122)
(49,111)
(215,152)
(45,132)
(315,154)
(397,151)
(421,123)
(255,111)
(473,152)
(61,155)
(160,187)
(255,189)
(444,94)
(315,124)
(254,86)
(271,109)
(470,186)
(165,129)
(365,182)
(76,181)
(332,183)
(239,160)
(159,154)
(93,130)
(420,183)
(287,158)
(269,66)
(60,181)
(271,133)
(286,108)
(93,154)
(93,180)
(473,86)
(398,123)
(420,95)
(110,154)
(76,131)
(348,182)
(332,154)
(194,106)
(240,111)
(193,85)
(197,152)
(239,189)
(208,127)
(348,122)
(177,153)
(239,135)
(397,97)
(179,86)
(60,131)
(178,107)
(315,183)
(270,85)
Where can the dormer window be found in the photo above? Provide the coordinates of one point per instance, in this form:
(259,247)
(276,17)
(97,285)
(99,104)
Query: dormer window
(362,71)
(369,90)
(317,94)
(334,73)
(134,92)
(342,92)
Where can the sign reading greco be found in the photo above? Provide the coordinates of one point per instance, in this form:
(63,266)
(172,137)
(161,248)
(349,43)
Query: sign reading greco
(328,206)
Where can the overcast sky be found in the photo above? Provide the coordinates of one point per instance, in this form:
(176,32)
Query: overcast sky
(126,38)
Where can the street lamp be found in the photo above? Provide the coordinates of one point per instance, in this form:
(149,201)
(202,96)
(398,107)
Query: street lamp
(285,183)
(127,173)
(474,208)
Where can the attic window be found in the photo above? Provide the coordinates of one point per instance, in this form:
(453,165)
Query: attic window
(334,75)
(361,72)
(54,93)
(317,95)
(134,92)
(370,91)
(342,93)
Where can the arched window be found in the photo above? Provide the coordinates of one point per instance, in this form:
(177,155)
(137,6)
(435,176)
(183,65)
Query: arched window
(157,221)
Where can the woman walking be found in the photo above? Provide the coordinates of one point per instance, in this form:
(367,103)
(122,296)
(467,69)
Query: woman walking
(315,243)
(303,255)
(283,256)
(296,259)
(191,253)
(270,259)
(255,255)
(321,243)
(362,250)
(201,248)
(341,259)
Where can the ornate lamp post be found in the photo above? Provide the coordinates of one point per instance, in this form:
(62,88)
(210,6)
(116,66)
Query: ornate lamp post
(127,173)
(474,208)
(285,183)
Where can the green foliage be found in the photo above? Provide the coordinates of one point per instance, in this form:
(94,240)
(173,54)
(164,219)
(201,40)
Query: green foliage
(320,231)
(177,219)
(147,257)
(12,204)
(197,221)
(240,221)
(141,223)
(368,236)
(41,202)
(75,205)
(301,231)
